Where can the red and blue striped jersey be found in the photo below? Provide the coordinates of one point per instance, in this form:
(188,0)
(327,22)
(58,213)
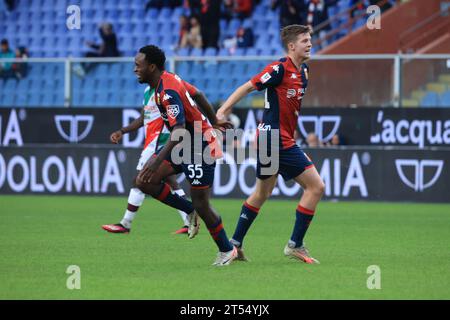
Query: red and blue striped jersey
(285,87)
(174,100)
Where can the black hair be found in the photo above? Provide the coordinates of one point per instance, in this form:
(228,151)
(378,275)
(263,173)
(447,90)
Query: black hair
(4,42)
(154,55)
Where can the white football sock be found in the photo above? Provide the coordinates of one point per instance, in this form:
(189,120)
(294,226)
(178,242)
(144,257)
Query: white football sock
(135,198)
(128,218)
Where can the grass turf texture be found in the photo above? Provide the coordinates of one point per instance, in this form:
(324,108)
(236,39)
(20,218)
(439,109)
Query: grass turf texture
(43,235)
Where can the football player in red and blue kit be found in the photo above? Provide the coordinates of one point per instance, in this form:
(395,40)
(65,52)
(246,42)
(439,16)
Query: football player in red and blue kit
(183,119)
(285,82)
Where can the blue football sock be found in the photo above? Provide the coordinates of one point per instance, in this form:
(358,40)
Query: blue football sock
(220,237)
(303,219)
(174,200)
(248,214)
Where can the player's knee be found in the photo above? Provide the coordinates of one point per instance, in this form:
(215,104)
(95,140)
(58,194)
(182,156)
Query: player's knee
(262,195)
(139,184)
(319,189)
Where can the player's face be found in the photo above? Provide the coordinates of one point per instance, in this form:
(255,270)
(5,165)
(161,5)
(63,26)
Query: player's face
(302,46)
(142,68)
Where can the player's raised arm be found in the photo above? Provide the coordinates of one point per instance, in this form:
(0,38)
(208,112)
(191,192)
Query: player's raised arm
(208,110)
(235,97)
(133,126)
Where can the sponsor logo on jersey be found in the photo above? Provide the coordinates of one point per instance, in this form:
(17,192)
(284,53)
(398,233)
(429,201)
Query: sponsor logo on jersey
(276,68)
(166,97)
(293,76)
(196,182)
(291,93)
(264,127)
(265,77)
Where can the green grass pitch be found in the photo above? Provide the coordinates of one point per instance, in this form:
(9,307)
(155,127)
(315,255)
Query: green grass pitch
(41,236)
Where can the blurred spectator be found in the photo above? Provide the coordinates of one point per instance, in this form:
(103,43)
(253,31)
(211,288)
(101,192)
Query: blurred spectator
(243,8)
(107,49)
(109,46)
(240,9)
(192,7)
(184,28)
(312,140)
(228,9)
(385,6)
(209,20)
(10,4)
(244,38)
(6,69)
(21,69)
(359,7)
(158,4)
(317,14)
(335,141)
(291,11)
(193,37)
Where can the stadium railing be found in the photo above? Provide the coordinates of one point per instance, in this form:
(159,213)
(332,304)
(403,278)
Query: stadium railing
(388,80)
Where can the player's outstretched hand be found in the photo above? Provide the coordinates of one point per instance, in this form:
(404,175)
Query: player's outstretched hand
(116,136)
(149,169)
(144,175)
(223,125)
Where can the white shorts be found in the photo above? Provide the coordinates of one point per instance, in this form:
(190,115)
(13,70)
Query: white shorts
(146,154)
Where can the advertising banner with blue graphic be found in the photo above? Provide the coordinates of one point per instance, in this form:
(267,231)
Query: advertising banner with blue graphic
(420,127)
(356,173)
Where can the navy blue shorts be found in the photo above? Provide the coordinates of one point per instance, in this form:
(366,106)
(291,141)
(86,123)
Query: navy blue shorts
(199,174)
(292,162)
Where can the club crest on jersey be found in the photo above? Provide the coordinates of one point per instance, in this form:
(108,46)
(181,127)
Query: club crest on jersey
(173,110)
(265,77)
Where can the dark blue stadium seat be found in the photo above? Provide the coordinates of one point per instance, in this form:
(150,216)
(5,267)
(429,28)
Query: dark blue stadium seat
(210,52)
(225,69)
(223,52)
(152,13)
(183,52)
(196,52)
(182,68)
(251,52)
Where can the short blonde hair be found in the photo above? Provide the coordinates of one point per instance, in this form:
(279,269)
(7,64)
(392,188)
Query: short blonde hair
(290,33)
